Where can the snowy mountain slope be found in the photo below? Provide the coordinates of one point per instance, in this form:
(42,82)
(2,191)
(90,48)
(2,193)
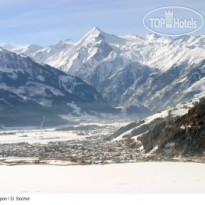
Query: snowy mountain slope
(16,111)
(151,50)
(145,71)
(44,87)
(27,50)
(54,54)
(181,137)
(161,90)
(137,129)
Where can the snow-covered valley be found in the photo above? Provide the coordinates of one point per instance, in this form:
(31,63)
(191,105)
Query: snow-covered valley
(78,128)
(92,140)
(82,141)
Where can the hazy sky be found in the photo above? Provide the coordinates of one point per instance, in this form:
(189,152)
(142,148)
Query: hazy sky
(47,21)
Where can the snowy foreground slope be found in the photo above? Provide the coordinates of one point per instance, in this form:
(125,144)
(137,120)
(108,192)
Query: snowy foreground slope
(144,177)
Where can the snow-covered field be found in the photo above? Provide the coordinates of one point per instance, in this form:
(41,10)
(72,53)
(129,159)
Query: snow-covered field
(37,136)
(79,130)
(149,177)
(42,136)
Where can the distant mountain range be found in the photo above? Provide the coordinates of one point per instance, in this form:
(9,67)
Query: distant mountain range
(140,73)
(35,94)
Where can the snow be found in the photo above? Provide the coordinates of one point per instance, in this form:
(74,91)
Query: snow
(147,177)
(25,49)
(175,111)
(152,151)
(105,55)
(151,50)
(98,127)
(42,136)
(147,120)
(58,162)
(198,86)
(19,159)
(120,137)
(33,89)
(180,112)
(76,109)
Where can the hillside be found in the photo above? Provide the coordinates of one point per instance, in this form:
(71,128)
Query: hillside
(184,136)
(32,94)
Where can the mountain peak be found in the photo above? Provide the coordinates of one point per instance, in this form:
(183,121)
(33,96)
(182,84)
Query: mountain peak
(7,46)
(95,32)
(96,29)
(93,35)
(64,42)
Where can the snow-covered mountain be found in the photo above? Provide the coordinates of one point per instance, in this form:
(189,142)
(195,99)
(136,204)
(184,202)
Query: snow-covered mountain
(30,91)
(27,50)
(54,54)
(136,129)
(144,71)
